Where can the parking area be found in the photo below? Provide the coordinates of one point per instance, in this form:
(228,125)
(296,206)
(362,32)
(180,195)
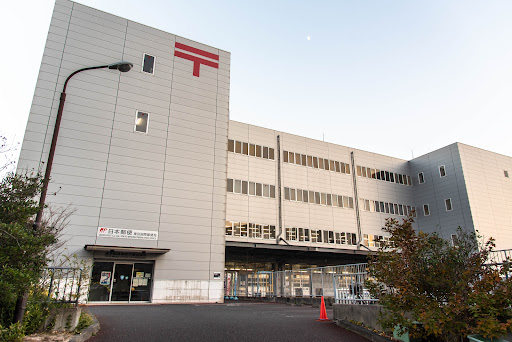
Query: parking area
(231,321)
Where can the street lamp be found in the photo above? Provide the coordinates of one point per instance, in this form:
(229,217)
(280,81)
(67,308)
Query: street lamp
(121,66)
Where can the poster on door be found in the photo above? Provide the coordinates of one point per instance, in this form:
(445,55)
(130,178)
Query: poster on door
(105,278)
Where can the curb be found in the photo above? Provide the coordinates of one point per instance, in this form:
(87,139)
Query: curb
(87,332)
(362,331)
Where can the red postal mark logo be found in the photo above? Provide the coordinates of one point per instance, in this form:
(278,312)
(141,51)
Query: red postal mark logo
(197,60)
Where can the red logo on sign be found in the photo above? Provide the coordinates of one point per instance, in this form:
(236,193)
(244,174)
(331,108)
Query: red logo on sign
(197,60)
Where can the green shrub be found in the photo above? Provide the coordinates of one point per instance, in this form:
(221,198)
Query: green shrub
(84,321)
(12,334)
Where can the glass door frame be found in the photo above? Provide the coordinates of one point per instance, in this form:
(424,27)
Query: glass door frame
(125,262)
(113,278)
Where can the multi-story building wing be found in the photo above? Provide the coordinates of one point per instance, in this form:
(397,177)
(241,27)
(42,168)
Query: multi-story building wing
(141,155)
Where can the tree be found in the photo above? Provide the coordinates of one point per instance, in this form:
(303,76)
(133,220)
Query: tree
(451,290)
(23,250)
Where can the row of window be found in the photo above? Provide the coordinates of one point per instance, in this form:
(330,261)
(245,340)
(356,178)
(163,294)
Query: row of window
(315,162)
(320,236)
(447,205)
(388,208)
(363,171)
(251,230)
(250,149)
(442,173)
(314,197)
(374,240)
(251,188)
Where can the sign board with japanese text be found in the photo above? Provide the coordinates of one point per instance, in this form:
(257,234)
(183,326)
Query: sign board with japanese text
(120,233)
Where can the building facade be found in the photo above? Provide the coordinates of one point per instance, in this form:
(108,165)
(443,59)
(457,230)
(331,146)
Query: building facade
(171,196)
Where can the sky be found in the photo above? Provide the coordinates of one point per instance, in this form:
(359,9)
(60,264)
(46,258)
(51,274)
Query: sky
(399,78)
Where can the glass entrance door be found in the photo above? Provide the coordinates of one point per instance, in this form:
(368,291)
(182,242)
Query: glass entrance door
(121,282)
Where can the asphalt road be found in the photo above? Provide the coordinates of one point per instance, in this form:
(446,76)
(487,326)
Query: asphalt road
(234,321)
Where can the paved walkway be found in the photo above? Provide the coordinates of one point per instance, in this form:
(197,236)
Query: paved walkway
(234,321)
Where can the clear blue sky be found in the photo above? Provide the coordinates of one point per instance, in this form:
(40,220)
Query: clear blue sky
(390,77)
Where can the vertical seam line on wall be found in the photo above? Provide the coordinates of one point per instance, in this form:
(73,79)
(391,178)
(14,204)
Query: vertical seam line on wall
(438,210)
(111,133)
(166,144)
(55,92)
(213,175)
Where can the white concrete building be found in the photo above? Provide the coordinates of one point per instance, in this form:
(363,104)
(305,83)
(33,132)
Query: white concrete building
(169,193)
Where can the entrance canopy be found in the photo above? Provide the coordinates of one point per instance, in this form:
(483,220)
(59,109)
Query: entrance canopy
(104,248)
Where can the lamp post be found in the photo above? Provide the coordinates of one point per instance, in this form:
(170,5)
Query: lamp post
(21,302)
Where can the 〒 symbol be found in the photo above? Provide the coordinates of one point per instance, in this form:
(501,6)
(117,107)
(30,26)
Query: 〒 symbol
(197,60)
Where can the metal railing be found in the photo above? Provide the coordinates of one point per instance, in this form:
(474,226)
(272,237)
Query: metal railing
(63,284)
(344,283)
(500,257)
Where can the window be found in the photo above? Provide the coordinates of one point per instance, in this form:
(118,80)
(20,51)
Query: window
(259,189)
(317,197)
(231,146)
(285,156)
(238,147)
(421,178)
(331,165)
(291,157)
(238,186)
(442,171)
(292,194)
(297,158)
(266,190)
(141,122)
(334,200)
(245,148)
(326,164)
(229,228)
(230,185)
(287,194)
(409,181)
(148,64)
(323,198)
(448,204)
(329,202)
(315,162)
(258,151)
(310,161)
(299,195)
(359,172)
(304,163)
(272,191)
(305,196)
(271,153)
(252,188)
(252,150)
(426,210)
(321,163)
(244,187)
(311,197)
(265,152)
(363,171)
(455,240)
(506,173)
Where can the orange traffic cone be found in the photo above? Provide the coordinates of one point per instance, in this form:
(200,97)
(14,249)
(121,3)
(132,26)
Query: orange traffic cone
(323,312)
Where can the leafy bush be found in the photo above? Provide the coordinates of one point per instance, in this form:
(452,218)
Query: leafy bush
(451,290)
(12,334)
(84,321)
